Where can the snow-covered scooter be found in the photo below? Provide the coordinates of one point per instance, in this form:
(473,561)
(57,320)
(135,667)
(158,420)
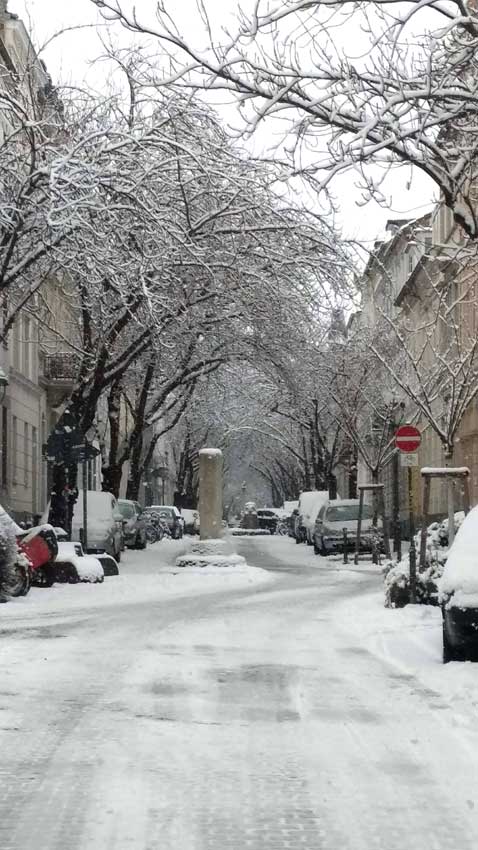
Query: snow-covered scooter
(26,556)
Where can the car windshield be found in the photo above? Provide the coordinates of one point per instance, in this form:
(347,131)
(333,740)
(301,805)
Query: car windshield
(166,513)
(126,511)
(348,513)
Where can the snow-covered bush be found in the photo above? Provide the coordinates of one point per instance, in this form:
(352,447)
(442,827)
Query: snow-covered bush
(8,554)
(397,574)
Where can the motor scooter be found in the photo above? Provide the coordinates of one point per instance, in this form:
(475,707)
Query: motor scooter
(37,549)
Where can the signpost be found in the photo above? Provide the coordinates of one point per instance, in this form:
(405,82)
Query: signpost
(407,441)
(408,438)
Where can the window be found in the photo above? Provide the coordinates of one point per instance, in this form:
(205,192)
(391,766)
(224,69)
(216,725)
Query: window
(25,455)
(348,513)
(4,448)
(34,469)
(16,346)
(27,366)
(14,448)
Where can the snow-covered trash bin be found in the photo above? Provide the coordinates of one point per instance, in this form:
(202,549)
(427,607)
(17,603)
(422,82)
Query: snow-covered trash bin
(458,594)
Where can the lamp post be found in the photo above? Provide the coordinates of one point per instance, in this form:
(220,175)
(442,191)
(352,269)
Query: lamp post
(87,439)
(397,536)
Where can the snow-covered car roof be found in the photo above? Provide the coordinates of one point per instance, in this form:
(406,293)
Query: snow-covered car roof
(460,574)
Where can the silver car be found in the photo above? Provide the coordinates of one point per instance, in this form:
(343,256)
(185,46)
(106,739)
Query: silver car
(342,514)
(134,524)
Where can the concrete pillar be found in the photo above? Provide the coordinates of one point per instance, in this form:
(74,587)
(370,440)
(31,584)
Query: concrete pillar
(210,493)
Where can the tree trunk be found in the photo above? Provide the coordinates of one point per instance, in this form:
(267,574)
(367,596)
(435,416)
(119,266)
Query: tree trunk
(113,470)
(111,478)
(136,470)
(332,486)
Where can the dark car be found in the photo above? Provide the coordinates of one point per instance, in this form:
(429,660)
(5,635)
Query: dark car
(267,520)
(458,594)
(134,525)
(460,634)
(170,516)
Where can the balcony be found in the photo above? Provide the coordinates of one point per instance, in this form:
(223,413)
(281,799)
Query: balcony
(60,372)
(61,368)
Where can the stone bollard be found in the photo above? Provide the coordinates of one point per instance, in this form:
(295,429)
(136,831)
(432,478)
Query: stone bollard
(212,550)
(210,493)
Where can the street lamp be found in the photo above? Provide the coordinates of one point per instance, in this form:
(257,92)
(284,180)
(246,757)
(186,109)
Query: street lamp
(3,385)
(88,438)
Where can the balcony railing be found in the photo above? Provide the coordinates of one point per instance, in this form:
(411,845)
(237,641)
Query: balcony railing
(61,367)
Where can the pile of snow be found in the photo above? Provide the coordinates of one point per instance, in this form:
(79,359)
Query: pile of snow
(397,574)
(458,585)
(88,568)
(248,532)
(217,554)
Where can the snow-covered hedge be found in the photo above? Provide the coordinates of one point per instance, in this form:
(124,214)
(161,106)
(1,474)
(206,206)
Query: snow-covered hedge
(8,555)
(397,574)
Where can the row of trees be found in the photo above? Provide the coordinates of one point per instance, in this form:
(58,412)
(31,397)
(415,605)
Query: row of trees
(408,97)
(152,251)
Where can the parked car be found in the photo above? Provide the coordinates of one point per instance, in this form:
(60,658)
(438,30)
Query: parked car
(267,519)
(105,523)
(310,502)
(336,515)
(191,521)
(458,594)
(171,517)
(292,522)
(134,524)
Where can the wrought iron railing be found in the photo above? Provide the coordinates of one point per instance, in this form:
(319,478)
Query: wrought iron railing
(61,367)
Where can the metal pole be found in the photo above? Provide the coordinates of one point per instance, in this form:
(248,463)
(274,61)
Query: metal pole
(386,535)
(359,528)
(451,510)
(346,546)
(466,494)
(425,512)
(85,497)
(397,535)
(412,553)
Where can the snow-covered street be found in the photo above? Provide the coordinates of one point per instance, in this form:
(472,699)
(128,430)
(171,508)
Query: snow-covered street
(254,711)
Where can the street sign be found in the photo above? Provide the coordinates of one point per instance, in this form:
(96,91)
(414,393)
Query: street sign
(85,451)
(407,438)
(409,460)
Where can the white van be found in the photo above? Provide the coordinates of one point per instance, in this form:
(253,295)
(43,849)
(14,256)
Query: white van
(105,529)
(310,503)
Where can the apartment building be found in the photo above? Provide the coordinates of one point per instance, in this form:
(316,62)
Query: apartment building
(423,278)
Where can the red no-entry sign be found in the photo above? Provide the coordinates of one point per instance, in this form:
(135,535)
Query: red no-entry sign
(408,438)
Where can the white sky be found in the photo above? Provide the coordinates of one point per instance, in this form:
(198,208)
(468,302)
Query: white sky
(70,59)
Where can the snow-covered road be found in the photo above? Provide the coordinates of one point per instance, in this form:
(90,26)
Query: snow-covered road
(265,711)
